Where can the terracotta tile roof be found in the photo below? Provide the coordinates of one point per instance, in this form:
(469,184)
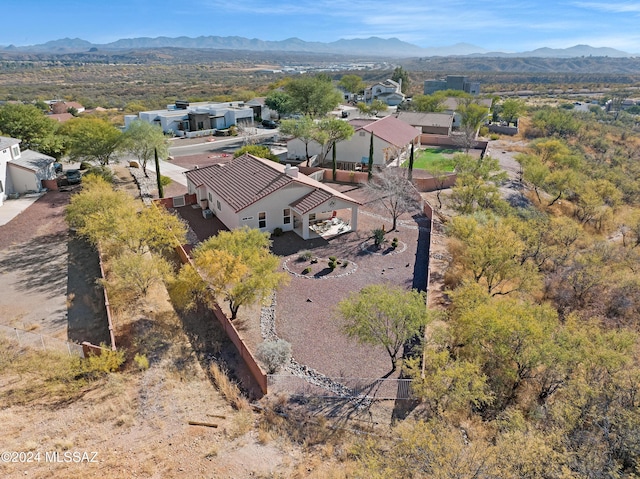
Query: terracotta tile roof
(393,131)
(311,201)
(248,179)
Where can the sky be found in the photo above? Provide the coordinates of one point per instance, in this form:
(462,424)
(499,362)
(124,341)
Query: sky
(507,26)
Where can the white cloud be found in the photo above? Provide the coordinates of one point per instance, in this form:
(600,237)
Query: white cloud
(615,7)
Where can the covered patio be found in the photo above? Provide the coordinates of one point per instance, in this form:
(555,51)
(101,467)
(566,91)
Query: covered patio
(316,215)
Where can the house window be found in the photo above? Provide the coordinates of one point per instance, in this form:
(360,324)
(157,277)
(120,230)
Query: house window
(286,216)
(262,220)
(218,205)
(312,218)
(362,133)
(15,150)
(210,197)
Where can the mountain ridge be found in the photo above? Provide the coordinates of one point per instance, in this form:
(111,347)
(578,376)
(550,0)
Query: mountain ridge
(372,46)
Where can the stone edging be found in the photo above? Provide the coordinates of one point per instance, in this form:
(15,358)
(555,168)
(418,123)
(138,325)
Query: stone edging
(365,248)
(268,331)
(298,275)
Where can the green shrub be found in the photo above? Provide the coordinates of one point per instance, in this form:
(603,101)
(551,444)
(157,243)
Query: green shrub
(307,270)
(305,256)
(274,354)
(332,265)
(277,231)
(378,236)
(333,258)
(102,171)
(345,263)
(165,180)
(85,165)
(141,361)
(394,243)
(494,136)
(107,361)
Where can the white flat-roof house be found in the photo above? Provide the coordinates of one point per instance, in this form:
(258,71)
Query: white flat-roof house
(196,119)
(22,171)
(258,193)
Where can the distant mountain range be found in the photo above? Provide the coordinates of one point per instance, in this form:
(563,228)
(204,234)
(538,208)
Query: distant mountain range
(373,46)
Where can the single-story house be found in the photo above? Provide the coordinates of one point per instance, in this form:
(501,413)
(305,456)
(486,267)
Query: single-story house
(61,106)
(258,193)
(430,123)
(451,105)
(23,171)
(392,138)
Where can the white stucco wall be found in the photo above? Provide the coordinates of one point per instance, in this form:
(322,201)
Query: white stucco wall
(22,180)
(5,156)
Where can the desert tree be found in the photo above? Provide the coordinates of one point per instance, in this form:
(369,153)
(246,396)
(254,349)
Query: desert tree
(373,108)
(142,139)
(314,96)
(29,124)
(401,76)
(472,116)
(393,193)
(92,139)
(330,131)
(352,83)
(280,102)
(239,266)
(476,184)
(302,129)
(385,315)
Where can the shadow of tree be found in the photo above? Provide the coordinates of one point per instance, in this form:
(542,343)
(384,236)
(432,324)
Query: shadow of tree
(86,310)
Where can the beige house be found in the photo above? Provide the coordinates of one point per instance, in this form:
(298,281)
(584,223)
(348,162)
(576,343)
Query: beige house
(258,193)
(392,139)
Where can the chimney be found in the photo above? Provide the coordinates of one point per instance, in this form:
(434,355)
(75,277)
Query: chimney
(291,171)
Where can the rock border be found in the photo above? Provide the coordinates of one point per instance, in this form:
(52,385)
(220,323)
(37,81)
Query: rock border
(298,275)
(402,247)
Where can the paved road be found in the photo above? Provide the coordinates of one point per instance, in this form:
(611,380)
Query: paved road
(219,143)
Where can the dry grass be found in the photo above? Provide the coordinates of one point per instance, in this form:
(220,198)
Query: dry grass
(228,388)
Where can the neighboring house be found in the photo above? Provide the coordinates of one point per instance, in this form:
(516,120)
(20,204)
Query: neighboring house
(260,110)
(451,105)
(258,193)
(8,148)
(388,91)
(452,82)
(197,119)
(60,106)
(61,117)
(23,171)
(430,123)
(392,139)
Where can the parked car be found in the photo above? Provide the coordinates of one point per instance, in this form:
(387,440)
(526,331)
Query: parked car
(57,167)
(269,124)
(74,177)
